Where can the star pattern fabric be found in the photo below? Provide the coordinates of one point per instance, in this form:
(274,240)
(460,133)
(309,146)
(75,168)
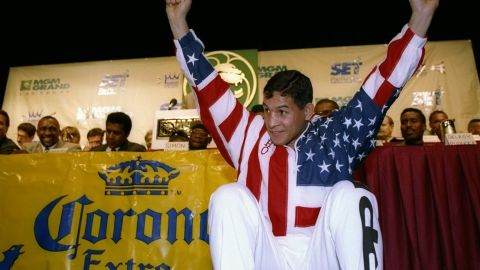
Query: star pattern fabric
(331,148)
(327,152)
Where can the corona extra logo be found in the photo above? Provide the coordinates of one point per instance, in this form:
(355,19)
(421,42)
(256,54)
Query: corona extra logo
(237,71)
(138,177)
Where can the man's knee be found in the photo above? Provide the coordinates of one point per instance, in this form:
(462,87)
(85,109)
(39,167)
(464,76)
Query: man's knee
(230,195)
(354,209)
(347,192)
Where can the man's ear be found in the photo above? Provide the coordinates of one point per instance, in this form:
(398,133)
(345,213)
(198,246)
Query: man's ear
(309,111)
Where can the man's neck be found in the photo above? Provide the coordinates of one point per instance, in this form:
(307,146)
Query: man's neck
(49,147)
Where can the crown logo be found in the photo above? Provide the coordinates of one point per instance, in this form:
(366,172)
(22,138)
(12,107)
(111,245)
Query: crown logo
(138,177)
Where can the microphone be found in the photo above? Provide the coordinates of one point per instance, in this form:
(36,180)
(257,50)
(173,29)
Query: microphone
(172,103)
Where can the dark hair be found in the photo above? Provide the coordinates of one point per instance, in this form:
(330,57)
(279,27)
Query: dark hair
(436,112)
(390,120)
(474,120)
(327,100)
(95,132)
(290,83)
(197,124)
(257,108)
(178,133)
(122,119)
(422,116)
(4,113)
(29,128)
(51,118)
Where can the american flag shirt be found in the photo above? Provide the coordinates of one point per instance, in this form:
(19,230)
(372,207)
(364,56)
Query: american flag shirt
(291,184)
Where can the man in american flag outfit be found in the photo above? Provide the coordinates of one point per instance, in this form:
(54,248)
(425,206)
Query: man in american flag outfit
(295,205)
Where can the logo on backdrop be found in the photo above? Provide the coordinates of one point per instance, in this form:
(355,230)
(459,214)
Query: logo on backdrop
(96,112)
(43,86)
(346,72)
(112,84)
(138,177)
(237,71)
(430,99)
(268,71)
(170,80)
(433,68)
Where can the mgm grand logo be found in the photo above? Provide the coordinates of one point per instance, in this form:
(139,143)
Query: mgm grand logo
(138,177)
(44,84)
(234,69)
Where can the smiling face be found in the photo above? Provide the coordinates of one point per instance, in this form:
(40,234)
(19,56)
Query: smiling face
(284,120)
(199,139)
(48,131)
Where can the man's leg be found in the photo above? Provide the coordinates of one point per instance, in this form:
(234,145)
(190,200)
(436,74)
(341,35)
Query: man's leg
(240,237)
(347,234)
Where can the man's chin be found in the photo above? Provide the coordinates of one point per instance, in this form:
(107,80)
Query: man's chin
(48,144)
(277,141)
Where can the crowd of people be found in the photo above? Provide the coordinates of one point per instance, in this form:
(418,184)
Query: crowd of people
(53,138)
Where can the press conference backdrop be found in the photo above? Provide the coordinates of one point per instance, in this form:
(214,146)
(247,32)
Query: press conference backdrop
(82,94)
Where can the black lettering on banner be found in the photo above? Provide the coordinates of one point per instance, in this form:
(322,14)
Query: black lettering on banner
(370,235)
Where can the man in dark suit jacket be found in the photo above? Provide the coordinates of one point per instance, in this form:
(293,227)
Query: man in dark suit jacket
(48,131)
(117,129)
(7,146)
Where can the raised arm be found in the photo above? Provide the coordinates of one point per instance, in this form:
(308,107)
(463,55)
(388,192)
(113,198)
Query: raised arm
(221,113)
(177,11)
(422,14)
(383,85)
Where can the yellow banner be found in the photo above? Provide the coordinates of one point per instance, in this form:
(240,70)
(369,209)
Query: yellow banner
(121,211)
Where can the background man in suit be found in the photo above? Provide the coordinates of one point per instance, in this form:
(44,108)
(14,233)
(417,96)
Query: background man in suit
(324,107)
(118,128)
(386,129)
(434,121)
(25,133)
(199,136)
(474,126)
(413,125)
(48,131)
(7,146)
(94,138)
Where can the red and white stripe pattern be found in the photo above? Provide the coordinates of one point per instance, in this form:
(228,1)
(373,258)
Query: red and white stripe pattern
(272,172)
(396,69)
